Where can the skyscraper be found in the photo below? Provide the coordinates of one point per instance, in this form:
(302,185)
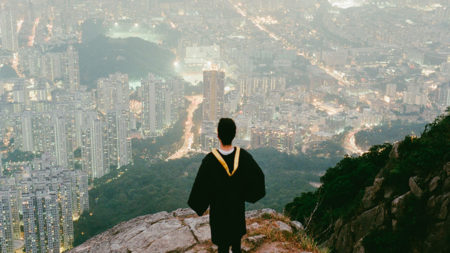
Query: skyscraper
(60,140)
(149,105)
(92,150)
(27,132)
(213,94)
(6,226)
(113,92)
(124,156)
(49,196)
(10,38)
(117,145)
(80,198)
(29,225)
(47,220)
(213,98)
(73,69)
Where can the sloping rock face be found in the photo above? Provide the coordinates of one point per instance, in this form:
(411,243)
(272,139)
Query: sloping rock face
(183,231)
(381,209)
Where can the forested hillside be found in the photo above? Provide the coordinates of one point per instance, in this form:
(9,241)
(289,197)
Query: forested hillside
(102,56)
(394,198)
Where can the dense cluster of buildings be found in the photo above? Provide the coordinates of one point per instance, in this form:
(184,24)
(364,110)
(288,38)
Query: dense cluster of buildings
(299,72)
(39,205)
(57,134)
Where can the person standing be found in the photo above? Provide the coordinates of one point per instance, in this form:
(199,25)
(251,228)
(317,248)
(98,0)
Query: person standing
(227,178)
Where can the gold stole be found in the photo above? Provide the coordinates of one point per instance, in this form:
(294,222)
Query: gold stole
(224,164)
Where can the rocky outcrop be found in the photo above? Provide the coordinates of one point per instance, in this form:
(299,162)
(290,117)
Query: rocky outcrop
(183,231)
(381,209)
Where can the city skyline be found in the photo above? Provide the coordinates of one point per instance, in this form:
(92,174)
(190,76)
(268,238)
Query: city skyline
(90,87)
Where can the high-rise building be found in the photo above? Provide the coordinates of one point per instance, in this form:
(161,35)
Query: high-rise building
(50,194)
(149,105)
(27,132)
(161,102)
(73,69)
(117,145)
(80,198)
(124,155)
(261,85)
(65,193)
(213,94)
(113,92)
(8,22)
(52,67)
(444,95)
(213,99)
(29,225)
(60,140)
(391,90)
(92,150)
(176,85)
(163,106)
(6,223)
(9,186)
(48,220)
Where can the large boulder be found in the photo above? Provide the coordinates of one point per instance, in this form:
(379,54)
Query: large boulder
(183,231)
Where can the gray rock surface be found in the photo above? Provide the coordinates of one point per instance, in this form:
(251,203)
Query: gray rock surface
(382,205)
(256,239)
(283,226)
(178,231)
(415,189)
(297,225)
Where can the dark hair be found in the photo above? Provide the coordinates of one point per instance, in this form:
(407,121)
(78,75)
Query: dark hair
(226,130)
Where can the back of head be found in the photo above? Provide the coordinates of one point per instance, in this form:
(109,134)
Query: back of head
(226,131)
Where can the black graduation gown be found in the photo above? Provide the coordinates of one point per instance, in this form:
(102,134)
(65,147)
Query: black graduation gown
(226,195)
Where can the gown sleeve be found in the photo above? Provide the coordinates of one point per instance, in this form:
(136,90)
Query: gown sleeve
(199,199)
(256,188)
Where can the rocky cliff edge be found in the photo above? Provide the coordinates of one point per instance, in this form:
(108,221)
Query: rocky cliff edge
(183,231)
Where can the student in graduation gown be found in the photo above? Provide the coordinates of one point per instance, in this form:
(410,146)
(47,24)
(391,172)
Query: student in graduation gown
(226,179)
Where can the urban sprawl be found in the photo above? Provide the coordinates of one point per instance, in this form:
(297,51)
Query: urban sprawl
(291,73)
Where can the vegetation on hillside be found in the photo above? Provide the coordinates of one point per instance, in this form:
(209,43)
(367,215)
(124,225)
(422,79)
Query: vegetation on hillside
(343,188)
(387,133)
(159,147)
(101,56)
(341,191)
(7,71)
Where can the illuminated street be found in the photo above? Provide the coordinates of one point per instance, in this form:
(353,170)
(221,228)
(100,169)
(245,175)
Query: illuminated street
(256,21)
(188,134)
(350,143)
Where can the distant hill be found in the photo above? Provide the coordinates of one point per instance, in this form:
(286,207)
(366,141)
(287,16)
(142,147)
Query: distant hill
(7,71)
(136,57)
(391,132)
(148,188)
(394,198)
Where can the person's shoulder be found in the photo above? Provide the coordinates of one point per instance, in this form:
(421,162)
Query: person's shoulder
(245,153)
(208,157)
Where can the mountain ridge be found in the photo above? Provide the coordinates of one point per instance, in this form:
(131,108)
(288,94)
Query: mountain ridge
(394,198)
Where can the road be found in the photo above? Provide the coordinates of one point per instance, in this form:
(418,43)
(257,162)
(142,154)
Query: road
(350,143)
(188,136)
(287,45)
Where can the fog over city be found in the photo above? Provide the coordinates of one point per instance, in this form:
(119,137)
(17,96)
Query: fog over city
(95,94)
